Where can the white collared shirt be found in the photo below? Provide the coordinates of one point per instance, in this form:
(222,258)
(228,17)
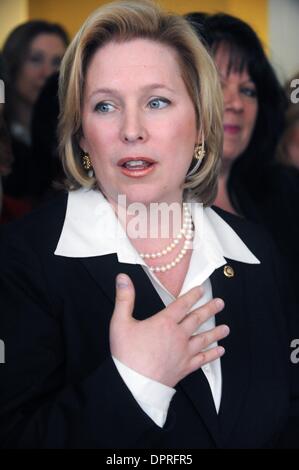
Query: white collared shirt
(91,228)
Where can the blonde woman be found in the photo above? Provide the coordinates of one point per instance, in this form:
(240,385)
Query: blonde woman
(109,313)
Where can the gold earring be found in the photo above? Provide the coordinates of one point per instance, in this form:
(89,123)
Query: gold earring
(86,162)
(199,152)
(87,165)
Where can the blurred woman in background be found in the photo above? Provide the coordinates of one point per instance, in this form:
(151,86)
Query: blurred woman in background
(5,147)
(288,148)
(32,52)
(252,183)
(254,105)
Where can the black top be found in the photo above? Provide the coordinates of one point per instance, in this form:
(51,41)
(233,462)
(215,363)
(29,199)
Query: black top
(60,388)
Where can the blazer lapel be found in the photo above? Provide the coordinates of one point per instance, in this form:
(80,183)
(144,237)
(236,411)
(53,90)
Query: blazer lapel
(104,270)
(228,282)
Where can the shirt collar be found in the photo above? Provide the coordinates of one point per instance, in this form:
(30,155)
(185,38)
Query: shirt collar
(91,228)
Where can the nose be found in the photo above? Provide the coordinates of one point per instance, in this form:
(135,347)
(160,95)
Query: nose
(133,127)
(233,99)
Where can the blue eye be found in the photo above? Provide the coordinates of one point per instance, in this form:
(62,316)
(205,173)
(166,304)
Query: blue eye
(250,92)
(104,107)
(158,103)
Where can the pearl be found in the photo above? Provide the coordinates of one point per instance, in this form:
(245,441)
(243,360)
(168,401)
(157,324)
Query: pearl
(186,232)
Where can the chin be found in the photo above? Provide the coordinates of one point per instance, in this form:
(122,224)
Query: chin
(145,195)
(230,154)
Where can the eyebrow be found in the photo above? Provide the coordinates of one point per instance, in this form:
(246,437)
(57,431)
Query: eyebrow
(112,91)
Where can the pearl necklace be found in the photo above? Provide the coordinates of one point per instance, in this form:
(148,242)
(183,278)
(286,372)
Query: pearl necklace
(186,232)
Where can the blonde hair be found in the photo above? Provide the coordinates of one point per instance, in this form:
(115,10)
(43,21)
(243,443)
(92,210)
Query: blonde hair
(123,21)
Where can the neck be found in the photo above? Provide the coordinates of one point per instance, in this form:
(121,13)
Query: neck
(150,227)
(153,220)
(223,200)
(225,169)
(162,234)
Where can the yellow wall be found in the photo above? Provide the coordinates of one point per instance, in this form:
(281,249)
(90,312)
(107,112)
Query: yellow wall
(254,12)
(12,13)
(73,12)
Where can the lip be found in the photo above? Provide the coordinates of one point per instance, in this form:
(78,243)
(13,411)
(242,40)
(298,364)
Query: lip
(231,129)
(134,173)
(124,160)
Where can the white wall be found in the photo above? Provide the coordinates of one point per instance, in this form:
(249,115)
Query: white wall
(284,37)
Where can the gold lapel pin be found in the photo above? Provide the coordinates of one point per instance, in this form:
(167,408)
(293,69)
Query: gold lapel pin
(228,271)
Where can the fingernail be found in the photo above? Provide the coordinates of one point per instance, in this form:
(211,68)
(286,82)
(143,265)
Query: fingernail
(225,330)
(121,282)
(221,351)
(219,303)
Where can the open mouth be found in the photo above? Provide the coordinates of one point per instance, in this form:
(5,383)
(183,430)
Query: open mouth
(136,167)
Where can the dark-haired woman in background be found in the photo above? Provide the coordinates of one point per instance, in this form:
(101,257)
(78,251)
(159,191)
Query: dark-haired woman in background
(252,183)
(5,154)
(253,115)
(32,52)
(44,142)
(6,157)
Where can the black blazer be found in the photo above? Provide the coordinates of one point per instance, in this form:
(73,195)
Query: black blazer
(59,387)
